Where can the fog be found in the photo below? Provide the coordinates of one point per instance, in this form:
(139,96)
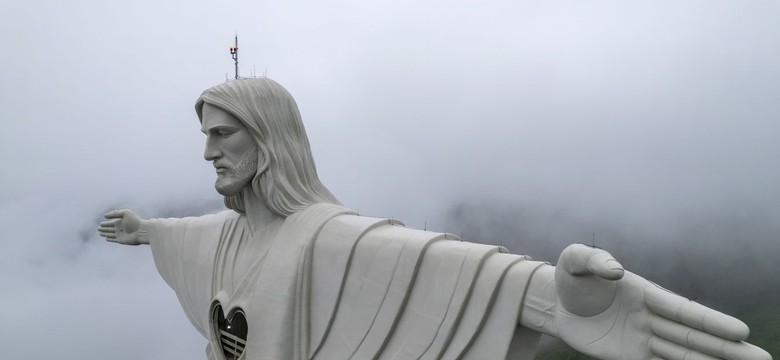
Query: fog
(648,128)
(724,258)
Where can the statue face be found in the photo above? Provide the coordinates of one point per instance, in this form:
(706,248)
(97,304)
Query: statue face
(231,148)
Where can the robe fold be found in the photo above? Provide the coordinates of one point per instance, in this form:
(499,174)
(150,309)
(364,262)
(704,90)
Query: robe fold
(334,285)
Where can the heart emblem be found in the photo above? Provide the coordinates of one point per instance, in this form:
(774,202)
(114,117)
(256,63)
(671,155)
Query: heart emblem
(230,331)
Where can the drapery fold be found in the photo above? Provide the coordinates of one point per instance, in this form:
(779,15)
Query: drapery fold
(336,285)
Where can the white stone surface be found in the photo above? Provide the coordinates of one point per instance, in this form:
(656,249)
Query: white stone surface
(315,280)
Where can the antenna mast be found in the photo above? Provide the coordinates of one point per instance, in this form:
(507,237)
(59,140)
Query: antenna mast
(234,54)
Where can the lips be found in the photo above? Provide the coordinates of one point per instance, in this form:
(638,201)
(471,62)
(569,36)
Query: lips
(220,168)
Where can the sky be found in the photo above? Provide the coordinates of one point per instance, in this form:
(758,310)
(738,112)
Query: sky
(648,127)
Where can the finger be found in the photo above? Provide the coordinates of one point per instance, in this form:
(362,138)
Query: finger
(580,260)
(753,353)
(677,308)
(108,236)
(110,222)
(672,351)
(703,342)
(107,229)
(113,214)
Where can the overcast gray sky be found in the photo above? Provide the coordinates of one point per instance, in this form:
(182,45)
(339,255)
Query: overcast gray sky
(651,117)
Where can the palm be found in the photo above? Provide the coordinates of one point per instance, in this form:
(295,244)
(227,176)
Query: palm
(121,227)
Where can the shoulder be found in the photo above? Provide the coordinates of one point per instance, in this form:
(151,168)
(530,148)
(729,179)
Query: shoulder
(220,217)
(224,215)
(163,225)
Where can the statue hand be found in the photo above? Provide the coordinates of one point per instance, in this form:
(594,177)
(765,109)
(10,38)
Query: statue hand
(122,226)
(609,313)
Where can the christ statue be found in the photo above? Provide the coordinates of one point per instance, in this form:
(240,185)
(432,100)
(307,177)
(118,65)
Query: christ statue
(289,273)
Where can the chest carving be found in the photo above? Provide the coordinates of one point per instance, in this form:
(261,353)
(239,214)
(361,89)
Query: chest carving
(229,332)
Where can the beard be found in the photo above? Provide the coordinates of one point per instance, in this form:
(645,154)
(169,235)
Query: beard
(239,175)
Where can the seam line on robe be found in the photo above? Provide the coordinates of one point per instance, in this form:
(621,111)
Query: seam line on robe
(459,316)
(379,223)
(181,265)
(408,293)
(381,304)
(493,296)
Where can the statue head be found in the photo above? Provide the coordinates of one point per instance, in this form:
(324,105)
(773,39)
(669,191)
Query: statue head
(285,178)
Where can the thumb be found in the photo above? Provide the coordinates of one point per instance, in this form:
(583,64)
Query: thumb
(114,214)
(585,280)
(582,260)
(603,265)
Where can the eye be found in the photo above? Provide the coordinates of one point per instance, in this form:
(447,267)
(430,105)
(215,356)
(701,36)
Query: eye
(223,133)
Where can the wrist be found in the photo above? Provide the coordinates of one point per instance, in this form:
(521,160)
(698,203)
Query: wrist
(541,302)
(145,230)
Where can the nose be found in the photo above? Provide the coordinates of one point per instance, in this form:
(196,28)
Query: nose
(212,152)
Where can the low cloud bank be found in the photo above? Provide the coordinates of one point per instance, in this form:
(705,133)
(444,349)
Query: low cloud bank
(724,258)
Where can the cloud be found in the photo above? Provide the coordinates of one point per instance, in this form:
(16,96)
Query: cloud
(647,121)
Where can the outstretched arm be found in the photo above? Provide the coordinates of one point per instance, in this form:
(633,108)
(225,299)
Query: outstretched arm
(124,227)
(598,308)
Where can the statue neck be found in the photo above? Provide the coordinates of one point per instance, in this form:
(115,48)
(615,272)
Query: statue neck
(258,215)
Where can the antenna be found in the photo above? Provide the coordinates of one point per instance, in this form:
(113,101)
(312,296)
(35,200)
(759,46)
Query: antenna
(234,53)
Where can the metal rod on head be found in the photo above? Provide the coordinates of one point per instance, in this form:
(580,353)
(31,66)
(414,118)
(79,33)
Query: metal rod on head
(234,54)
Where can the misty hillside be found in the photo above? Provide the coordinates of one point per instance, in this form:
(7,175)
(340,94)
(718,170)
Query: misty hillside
(724,258)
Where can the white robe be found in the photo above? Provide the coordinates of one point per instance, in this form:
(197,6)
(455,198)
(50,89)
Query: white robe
(333,285)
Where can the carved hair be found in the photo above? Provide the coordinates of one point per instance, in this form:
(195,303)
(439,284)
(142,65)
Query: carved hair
(286,178)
